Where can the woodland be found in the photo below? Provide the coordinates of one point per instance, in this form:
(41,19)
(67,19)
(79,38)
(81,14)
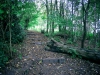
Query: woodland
(71,27)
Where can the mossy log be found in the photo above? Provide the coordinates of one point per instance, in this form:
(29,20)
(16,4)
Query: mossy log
(92,55)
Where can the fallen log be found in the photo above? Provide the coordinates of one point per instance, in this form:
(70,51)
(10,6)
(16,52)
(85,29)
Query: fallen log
(92,55)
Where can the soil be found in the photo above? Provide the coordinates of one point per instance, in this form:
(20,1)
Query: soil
(35,60)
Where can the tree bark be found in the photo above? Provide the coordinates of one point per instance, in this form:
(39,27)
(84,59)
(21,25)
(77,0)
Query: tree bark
(47,16)
(10,34)
(52,16)
(85,14)
(91,55)
(60,14)
(72,21)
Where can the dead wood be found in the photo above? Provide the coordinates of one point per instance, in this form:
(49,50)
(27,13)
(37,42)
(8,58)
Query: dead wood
(92,55)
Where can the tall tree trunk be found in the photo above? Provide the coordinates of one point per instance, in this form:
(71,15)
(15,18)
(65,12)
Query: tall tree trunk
(53,27)
(60,29)
(56,5)
(95,16)
(57,13)
(72,21)
(98,33)
(47,9)
(85,14)
(84,31)
(10,43)
(63,13)
(52,16)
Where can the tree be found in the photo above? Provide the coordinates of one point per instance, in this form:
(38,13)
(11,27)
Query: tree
(47,9)
(11,32)
(85,15)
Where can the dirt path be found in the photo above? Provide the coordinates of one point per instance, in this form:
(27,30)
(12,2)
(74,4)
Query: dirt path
(36,61)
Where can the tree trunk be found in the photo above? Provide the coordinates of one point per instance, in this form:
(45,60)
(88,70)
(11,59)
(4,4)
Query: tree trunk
(53,27)
(85,14)
(94,42)
(47,16)
(92,55)
(60,27)
(84,32)
(10,34)
(52,16)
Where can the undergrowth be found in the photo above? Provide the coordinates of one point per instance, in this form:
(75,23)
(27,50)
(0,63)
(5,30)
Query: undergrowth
(7,53)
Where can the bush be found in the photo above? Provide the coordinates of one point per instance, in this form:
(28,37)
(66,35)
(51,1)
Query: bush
(18,34)
(69,41)
(3,55)
(89,36)
(3,58)
(42,31)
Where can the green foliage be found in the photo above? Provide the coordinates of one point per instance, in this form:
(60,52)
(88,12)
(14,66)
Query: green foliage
(63,32)
(3,54)
(10,16)
(20,56)
(70,24)
(57,39)
(90,36)
(47,35)
(1,11)
(28,14)
(42,31)
(98,44)
(69,41)
(18,34)
(72,52)
(3,59)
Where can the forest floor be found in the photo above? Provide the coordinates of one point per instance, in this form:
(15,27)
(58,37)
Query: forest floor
(35,60)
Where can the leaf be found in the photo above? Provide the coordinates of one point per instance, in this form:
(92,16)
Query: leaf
(1,11)
(40,62)
(20,56)
(59,67)
(1,17)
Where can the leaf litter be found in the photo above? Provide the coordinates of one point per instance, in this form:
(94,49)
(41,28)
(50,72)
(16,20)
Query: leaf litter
(32,55)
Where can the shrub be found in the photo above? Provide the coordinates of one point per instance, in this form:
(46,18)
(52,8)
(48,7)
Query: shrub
(90,36)
(3,58)
(42,31)
(3,55)
(69,41)
(18,34)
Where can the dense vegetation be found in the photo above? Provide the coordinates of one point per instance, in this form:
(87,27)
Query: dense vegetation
(73,20)
(15,17)
(78,19)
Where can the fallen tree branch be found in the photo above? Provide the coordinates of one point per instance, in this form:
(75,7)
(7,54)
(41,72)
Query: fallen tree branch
(92,55)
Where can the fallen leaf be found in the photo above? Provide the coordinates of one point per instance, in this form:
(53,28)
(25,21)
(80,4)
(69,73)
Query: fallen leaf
(25,59)
(40,62)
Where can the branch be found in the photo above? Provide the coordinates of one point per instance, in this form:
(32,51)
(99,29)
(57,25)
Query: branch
(88,5)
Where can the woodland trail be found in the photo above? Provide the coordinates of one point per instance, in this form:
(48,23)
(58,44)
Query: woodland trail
(36,60)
